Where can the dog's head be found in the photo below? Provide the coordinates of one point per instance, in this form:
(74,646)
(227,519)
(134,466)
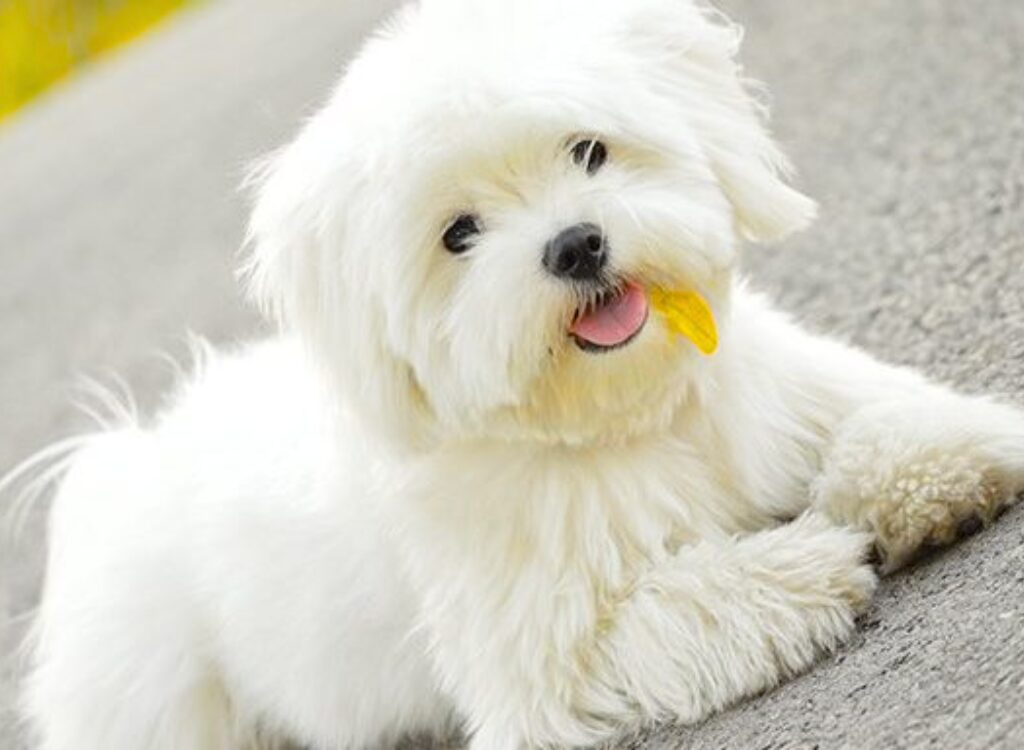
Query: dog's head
(466,234)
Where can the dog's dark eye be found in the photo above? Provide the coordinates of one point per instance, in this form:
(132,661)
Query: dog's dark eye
(591,154)
(458,237)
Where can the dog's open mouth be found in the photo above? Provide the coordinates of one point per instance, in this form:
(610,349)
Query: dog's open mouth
(613,320)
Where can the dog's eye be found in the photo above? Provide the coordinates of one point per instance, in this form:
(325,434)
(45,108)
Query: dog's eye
(590,153)
(458,237)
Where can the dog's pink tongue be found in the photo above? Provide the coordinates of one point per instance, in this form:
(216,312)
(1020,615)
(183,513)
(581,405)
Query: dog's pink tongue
(615,321)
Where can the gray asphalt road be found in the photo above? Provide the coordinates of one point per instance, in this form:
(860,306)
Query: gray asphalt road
(119,217)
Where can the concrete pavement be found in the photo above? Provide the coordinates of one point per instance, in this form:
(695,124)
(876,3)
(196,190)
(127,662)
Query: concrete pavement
(119,217)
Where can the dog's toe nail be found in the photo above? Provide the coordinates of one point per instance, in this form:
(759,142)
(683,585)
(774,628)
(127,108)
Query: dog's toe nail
(969,526)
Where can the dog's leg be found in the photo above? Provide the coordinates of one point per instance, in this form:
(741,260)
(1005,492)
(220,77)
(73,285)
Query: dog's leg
(917,470)
(710,625)
(883,449)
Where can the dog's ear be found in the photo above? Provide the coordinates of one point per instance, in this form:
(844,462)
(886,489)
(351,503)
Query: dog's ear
(282,258)
(699,46)
(310,271)
(752,170)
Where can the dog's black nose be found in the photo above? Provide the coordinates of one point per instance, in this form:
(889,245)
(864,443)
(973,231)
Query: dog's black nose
(578,252)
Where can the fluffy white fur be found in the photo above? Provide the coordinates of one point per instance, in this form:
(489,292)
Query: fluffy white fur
(423,504)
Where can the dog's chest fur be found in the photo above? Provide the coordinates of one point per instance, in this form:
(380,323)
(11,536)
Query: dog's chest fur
(521,555)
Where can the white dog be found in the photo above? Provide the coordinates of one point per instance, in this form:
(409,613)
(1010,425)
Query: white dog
(529,454)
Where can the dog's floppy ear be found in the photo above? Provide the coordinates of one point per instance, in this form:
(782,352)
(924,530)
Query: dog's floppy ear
(700,46)
(282,258)
(308,269)
(750,167)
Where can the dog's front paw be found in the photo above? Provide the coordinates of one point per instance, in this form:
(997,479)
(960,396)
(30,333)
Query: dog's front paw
(922,473)
(820,571)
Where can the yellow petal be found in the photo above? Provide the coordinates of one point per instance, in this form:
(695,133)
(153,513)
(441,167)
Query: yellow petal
(688,314)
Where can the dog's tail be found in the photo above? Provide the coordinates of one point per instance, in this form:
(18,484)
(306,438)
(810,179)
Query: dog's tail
(24,487)
(32,480)
(111,407)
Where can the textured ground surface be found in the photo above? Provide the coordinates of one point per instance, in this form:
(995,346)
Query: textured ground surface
(119,217)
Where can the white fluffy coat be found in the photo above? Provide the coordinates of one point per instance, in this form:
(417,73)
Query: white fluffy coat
(423,505)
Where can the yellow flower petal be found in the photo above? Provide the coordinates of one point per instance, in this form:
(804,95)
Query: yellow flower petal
(688,314)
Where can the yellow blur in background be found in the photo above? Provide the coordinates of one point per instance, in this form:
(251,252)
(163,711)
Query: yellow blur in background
(41,41)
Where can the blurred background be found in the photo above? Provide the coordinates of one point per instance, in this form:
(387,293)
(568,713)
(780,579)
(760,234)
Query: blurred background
(41,41)
(121,218)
